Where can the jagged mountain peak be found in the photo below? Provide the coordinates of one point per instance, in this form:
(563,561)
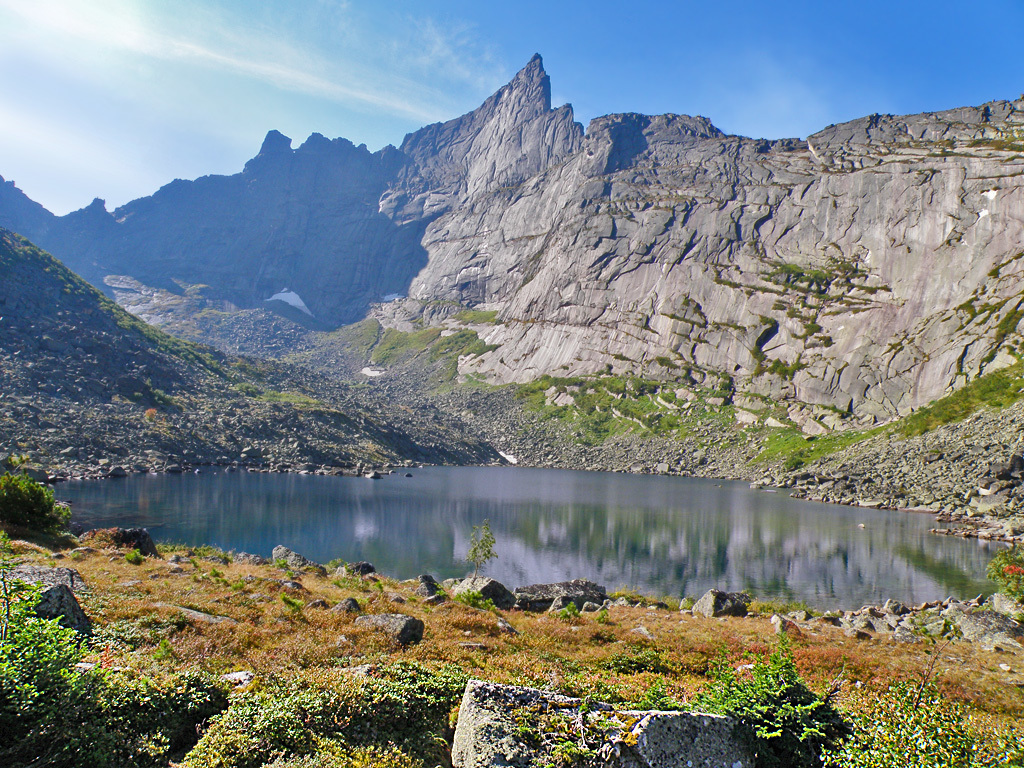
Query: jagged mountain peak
(513,135)
(275,143)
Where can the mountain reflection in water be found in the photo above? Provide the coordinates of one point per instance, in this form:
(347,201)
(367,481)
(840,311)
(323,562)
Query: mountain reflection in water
(666,536)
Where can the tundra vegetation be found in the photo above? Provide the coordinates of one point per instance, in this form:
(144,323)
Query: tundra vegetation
(327,692)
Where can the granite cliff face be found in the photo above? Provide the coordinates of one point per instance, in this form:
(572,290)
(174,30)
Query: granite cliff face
(866,270)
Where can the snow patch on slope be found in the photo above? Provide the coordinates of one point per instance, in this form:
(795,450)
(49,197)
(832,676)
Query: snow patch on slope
(292,298)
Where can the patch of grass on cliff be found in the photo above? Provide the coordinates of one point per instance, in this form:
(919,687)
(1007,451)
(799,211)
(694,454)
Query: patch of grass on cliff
(477,316)
(993,390)
(396,346)
(794,450)
(604,406)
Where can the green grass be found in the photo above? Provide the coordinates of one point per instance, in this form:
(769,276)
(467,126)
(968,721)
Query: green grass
(994,390)
(295,398)
(793,448)
(396,346)
(477,316)
(605,406)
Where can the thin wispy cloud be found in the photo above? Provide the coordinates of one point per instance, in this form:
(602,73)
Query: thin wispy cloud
(283,64)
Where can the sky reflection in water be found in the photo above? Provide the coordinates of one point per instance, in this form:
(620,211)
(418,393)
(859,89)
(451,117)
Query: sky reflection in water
(662,535)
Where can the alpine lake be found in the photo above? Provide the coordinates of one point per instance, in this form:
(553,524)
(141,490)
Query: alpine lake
(662,536)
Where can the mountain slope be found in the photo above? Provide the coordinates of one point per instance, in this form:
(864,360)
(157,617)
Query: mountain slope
(852,277)
(82,381)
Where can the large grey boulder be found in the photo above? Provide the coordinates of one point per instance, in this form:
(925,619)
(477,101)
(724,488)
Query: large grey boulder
(295,561)
(989,629)
(59,602)
(403,629)
(714,602)
(539,597)
(56,598)
(493,719)
(1005,605)
(489,588)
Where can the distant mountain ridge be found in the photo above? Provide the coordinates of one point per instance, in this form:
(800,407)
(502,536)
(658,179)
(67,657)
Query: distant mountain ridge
(856,275)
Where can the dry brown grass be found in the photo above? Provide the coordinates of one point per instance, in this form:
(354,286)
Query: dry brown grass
(137,625)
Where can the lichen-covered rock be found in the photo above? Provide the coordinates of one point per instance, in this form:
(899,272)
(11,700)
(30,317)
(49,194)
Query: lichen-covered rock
(403,629)
(296,562)
(59,602)
(714,602)
(989,629)
(39,574)
(1005,605)
(539,597)
(245,558)
(428,586)
(515,727)
(490,589)
(347,605)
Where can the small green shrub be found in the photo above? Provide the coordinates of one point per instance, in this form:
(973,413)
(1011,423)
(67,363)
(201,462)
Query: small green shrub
(475,600)
(407,708)
(291,603)
(569,613)
(27,504)
(656,697)
(602,617)
(793,725)
(1007,570)
(134,557)
(637,659)
(915,726)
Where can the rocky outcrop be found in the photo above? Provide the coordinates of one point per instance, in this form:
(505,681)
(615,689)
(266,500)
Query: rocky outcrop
(854,276)
(295,561)
(122,538)
(714,603)
(57,587)
(488,588)
(540,597)
(505,725)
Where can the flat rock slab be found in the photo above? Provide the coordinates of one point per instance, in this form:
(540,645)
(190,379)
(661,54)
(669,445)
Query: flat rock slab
(508,726)
(200,616)
(403,629)
(49,577)
(539,597)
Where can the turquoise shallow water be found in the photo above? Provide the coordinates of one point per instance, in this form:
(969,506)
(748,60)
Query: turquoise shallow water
(668,536)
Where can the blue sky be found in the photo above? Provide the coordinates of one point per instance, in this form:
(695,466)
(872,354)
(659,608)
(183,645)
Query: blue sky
(114,98)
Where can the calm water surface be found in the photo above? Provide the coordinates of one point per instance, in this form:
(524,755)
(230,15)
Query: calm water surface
(663,535)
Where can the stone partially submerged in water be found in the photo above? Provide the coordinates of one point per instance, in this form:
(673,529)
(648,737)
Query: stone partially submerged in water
(515,727)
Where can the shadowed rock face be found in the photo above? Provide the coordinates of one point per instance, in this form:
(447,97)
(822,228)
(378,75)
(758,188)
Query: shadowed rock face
(870,268)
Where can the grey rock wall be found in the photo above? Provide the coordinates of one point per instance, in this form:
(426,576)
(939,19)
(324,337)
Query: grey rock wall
(870,268)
